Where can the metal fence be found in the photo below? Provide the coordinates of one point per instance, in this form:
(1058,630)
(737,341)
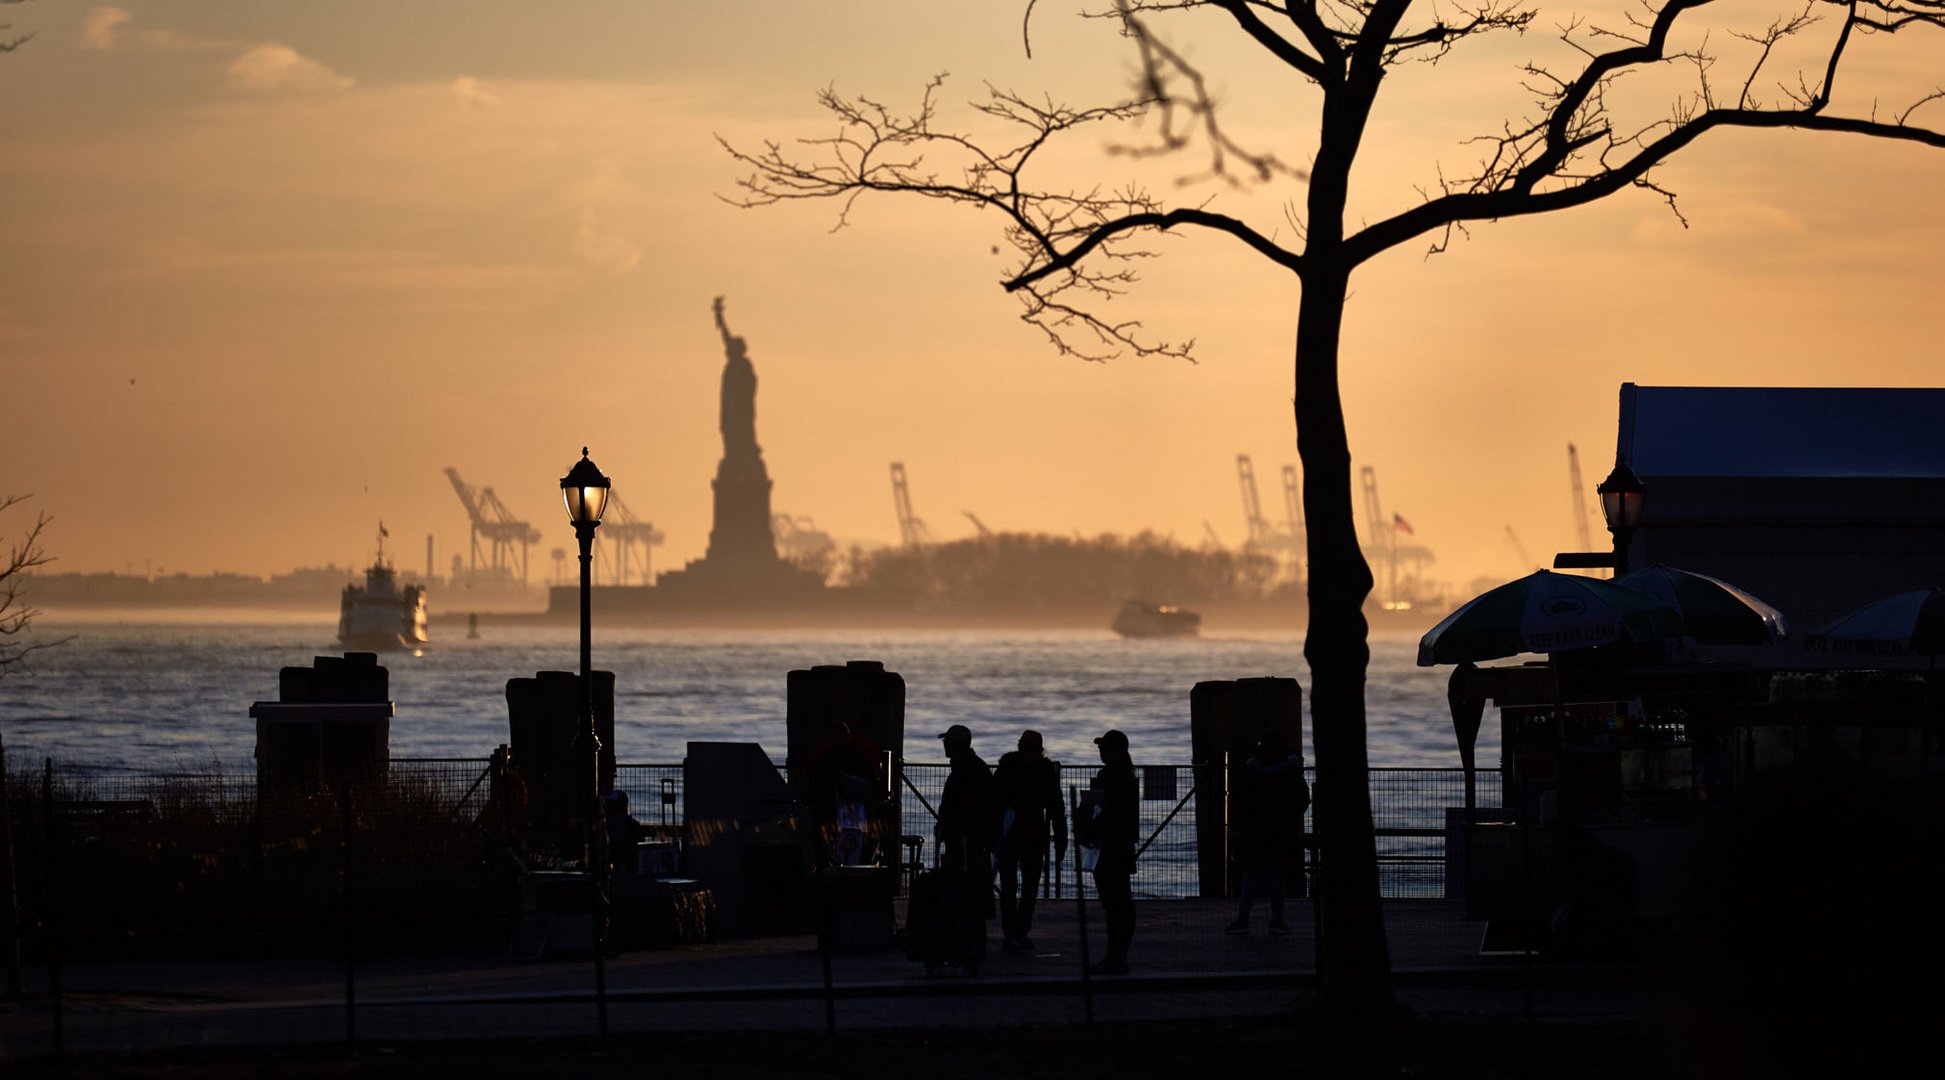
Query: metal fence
(396,881)
(1408,806)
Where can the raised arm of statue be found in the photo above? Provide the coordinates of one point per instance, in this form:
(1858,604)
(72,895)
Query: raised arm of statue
(738,420)
(730,341)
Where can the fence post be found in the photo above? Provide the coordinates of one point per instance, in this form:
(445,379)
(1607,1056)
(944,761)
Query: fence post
(826,931)
(50,903)
(350,914)
(259,924)
(1080,904)
(13,891)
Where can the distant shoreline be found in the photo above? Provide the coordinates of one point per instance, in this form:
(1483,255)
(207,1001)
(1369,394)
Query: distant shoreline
(451,624)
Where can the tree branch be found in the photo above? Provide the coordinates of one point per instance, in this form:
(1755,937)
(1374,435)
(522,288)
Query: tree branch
(1572,155)
(16,615)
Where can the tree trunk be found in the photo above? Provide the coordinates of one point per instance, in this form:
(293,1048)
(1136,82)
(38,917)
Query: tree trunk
(1354,962)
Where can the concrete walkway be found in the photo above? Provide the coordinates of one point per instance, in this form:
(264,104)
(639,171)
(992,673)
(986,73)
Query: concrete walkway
(1183,965)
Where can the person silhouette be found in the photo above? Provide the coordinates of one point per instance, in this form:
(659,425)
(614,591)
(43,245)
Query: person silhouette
(1269,828)
(968,821)
(1110,815)
(1028,784)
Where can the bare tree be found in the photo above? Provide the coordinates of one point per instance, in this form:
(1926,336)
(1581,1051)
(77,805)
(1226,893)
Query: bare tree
(1079,248)
(16,615)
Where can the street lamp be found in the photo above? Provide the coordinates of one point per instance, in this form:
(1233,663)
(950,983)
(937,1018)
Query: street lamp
(1622,495)
(585,491)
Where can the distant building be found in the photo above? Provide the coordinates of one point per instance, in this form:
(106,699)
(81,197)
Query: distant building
(1816,500)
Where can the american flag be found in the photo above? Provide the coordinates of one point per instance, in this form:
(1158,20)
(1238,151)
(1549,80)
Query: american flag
(1398,522)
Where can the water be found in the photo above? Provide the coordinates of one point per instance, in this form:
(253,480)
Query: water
(169,697)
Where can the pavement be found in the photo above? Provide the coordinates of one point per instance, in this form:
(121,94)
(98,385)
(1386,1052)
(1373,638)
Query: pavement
(1182,966)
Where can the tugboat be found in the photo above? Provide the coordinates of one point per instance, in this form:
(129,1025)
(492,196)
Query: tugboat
(1139,619)
(381,616)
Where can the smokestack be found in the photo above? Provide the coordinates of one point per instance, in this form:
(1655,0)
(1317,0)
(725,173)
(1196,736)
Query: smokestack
(430,566)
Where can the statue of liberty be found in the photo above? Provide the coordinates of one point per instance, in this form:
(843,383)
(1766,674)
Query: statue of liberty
(739,394)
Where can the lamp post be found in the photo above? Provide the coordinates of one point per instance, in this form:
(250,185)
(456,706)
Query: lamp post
(1622,495)
(585,491)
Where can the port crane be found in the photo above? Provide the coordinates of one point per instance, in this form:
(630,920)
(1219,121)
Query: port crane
(1293,518)
(631,535)
(1580,498)
(910,529)
(1260,533)
(490,519)
(1293,503)
(1382,537)
(984,532)
(1519,549)
(800,541)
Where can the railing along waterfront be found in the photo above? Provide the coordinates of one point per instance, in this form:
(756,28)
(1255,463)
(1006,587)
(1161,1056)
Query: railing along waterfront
(115,874)
(1408,807)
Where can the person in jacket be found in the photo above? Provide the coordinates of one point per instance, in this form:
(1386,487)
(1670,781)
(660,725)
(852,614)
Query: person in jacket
(1110,817)
(1269,828)
(1030,808)
(968,808)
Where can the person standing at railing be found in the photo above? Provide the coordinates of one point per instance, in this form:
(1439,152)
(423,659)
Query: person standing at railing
(1029,803)
(1108,819)
(1269,828)
(968,809)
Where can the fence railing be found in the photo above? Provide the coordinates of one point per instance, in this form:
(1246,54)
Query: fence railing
(103,867)
(1408,807)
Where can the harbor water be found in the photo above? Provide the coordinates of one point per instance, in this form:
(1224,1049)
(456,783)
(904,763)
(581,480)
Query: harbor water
(176,697)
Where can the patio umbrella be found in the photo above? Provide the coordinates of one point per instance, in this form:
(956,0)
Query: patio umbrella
(1713,611)
(1909,622)
(1545,612)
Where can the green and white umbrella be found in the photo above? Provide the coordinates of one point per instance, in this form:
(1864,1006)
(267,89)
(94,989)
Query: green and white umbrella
(1545,612)
(1713,611)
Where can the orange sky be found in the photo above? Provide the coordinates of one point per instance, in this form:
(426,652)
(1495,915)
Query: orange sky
(267,269)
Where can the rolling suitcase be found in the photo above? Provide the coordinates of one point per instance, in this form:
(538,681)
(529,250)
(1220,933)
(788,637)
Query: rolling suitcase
(945,919)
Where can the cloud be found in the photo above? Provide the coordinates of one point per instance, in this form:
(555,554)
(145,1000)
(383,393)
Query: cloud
(102,31)
(471,94)
(281,69)
(262,68)
(99,25)
(595,244)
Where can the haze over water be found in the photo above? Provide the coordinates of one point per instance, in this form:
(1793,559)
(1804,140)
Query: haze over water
(177,697)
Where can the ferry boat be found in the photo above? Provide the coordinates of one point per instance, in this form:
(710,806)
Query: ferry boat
(380,615)
(1144,620)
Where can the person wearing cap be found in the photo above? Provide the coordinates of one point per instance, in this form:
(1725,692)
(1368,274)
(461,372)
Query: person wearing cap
(968,814)
(1028,783)
(1114,808)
